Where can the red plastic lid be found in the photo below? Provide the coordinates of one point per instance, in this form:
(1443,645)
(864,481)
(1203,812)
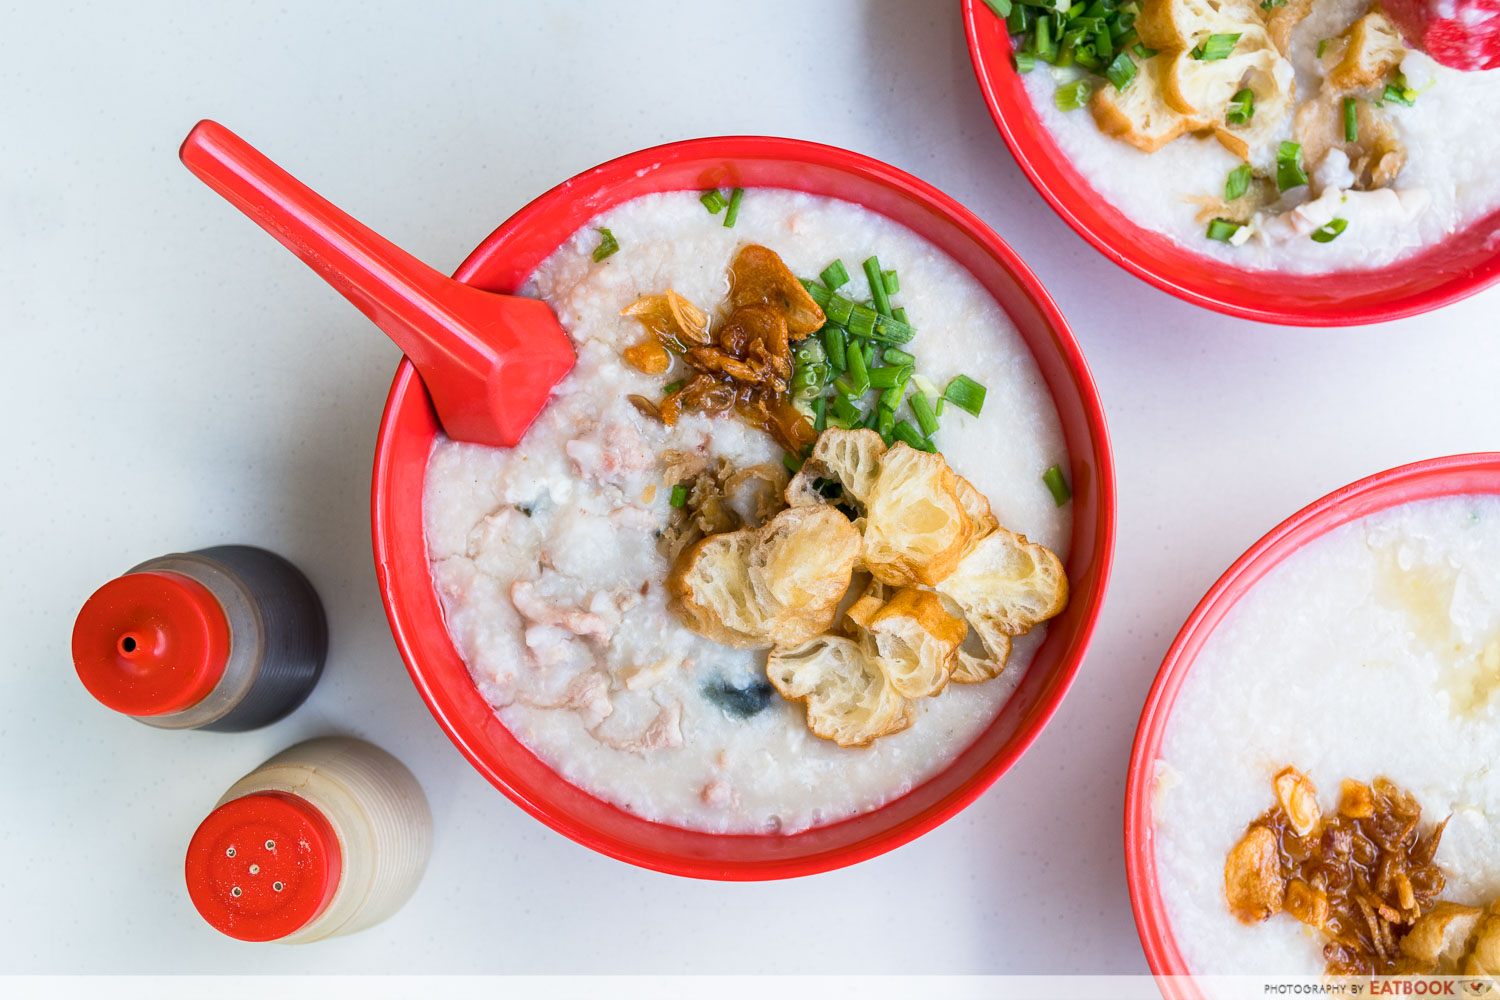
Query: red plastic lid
(151,643)
(263,866)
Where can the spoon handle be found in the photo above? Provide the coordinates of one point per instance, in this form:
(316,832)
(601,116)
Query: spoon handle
(408,300)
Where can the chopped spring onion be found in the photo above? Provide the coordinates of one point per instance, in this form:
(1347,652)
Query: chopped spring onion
(833,346)
(732,216)
(1141,50)
(835,275)
(1397,92)
(672,387)
(1241,107)
(859,374)
(607,244)
(1351,120)
(1289,172)
(792,462)
(942,404)
(1331,231)
(896,356)
(890,399)
(922,410)
(1322,47)
(1238,182)
(890,329)
(1271,4)
(966,394)
(1002,7)
(1121,71)
(679,495)
(877,286)
(713,201)
(844,408)
(891,282)
(885,422)
(1061,493)
(884,378)
(904,431)
(1215,47)
(820,414)
(839,309)
(1222,230)
(862,320)
(1025,61)
(1072,96)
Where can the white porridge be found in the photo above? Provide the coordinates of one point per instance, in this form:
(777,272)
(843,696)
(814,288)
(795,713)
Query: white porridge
(1374,651)
(1444,171)
(547,560)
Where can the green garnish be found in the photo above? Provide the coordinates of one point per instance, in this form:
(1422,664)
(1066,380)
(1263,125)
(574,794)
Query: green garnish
(1322,47)
(1025,61)
(1241,107)
(1237,183)
(820,414)
(732,216)
(1289,172)
(1121,71)
(833,345)
(1222,230)
(1140,49)
(1002,7)
(1351,120)
(1330,232)
(876,279)
(862,320)
(859,374)
(891,282)
(835,275)
(966,394)
(1061,493)
(1072,96)
(890,375)
(922,410)
(1271,4)
(896,356)
(1215,47)
(672,387)
(844,408)
(899,315)
(885,422)
(679,495)
(713,201)
(904,431)
(1397,92)
(607,244)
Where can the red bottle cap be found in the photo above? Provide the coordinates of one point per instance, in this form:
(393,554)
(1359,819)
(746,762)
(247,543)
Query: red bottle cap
(263,866)
(151,643)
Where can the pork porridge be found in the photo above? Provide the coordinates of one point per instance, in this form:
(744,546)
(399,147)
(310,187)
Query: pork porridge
(777,549)
(1325,797)
(1294,135)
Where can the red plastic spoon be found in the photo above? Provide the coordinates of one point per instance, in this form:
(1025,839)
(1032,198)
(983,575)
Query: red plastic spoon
(489,361)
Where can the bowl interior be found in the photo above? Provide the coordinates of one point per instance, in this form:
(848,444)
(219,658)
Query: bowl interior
(1465,263)
(409,427)
(1441,477)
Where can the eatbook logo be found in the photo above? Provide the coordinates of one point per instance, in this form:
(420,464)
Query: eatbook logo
(1477,988)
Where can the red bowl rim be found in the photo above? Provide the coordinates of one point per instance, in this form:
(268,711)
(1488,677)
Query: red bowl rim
(1121,244)
(407,382)
(1453,475)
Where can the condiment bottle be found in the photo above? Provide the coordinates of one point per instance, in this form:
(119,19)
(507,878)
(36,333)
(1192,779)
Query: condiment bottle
(328,837)
(226,638)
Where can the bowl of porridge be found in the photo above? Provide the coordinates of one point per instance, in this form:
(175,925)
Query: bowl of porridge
(1310,790)
(1206,145)
(741,605)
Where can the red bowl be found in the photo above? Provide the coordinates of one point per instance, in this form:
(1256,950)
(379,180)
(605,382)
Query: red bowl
(407,431)
(1465,263)
(1439,477)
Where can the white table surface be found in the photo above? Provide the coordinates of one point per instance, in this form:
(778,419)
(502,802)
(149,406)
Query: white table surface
(175,379)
